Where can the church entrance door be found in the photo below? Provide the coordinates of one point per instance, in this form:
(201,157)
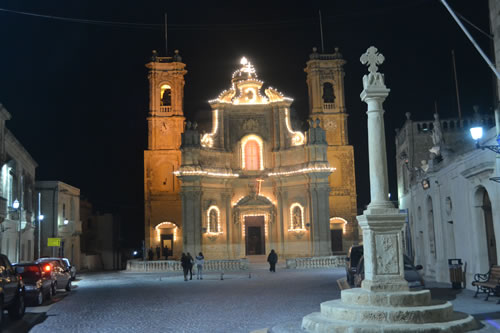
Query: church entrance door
(255,235)
(336,238)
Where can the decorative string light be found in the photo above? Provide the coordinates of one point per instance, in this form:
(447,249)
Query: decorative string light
(303,170)
(207,139)
(266,220)
(205,173)
(298,138)
(260,143)
(302,225)
(170,224)
(219,230)
(343,221)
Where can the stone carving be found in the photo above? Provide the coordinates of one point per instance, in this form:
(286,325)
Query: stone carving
(372,58)
(250,125)
(387,254)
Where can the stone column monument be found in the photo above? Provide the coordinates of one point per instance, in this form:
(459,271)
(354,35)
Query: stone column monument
(384,302)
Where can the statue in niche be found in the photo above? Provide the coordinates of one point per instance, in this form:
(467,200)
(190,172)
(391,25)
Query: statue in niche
(212,223)
(328,95)
(297,218)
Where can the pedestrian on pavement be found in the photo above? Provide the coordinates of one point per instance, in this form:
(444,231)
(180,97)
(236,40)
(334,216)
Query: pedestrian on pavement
(150,253)
(272,259)
(158,252)
(185,265)
(200,260)
(190,265)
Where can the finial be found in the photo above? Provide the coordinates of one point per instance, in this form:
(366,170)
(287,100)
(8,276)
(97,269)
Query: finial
(310,122)
(476,108)
(372,58)
(188,125)
(195,125)
(408,115)
(315,49)
(317,122)
(244,61)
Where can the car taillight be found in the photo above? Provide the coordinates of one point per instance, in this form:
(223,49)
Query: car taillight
(47,268)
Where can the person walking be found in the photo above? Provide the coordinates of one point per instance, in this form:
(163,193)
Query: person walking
(272,259)
(199,261)
(158,252)
(190,265)
(185,265)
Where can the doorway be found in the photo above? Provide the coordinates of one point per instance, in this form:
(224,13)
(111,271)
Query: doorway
(491,243)
(336,238)
(255,238)
(167,245)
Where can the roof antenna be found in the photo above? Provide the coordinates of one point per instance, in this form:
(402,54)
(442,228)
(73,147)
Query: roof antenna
(321,32)
(166,43)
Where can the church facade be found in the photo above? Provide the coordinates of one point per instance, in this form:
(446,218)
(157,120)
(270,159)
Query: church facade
(253,183)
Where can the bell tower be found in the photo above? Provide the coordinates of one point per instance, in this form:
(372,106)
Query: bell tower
(163,156)
(325,81)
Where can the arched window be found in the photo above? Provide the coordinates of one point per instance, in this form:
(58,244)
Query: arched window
(328,95)
(213,225)
(166,95)
(252,153)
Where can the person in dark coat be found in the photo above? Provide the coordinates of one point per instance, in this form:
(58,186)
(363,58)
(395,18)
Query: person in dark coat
(150,253)
(272,259)
(185,265)
(190,265)
(158,252)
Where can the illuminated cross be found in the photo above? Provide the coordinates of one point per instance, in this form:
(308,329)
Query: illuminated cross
(372,58)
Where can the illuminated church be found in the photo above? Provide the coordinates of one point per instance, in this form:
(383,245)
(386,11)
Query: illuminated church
(253,183)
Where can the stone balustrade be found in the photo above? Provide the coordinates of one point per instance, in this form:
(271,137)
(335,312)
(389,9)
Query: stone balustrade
(165,109)
(175,265)
(316,262)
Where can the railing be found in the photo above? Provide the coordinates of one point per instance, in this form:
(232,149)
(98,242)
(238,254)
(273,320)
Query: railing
(328,106)
(316,262)
(175,265)
(165,108)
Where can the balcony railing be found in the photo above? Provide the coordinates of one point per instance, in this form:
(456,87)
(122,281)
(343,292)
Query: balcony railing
(165,109)
(328,106)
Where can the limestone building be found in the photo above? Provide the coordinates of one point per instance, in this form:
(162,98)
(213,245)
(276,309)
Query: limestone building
(253,183)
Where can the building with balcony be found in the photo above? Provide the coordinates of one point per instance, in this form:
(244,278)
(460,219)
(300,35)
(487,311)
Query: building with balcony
(60,206)
(17,177)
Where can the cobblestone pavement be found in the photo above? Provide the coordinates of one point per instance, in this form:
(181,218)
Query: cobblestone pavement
(130,302)
(160,302)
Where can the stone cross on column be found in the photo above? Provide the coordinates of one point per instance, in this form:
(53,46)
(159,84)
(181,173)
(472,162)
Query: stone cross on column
(382,224)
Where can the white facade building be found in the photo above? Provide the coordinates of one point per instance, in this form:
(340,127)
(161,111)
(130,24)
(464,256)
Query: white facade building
(17,176)
(60,205)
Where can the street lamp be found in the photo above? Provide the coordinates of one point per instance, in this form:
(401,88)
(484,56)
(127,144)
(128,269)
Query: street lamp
(17,206)
(477,134)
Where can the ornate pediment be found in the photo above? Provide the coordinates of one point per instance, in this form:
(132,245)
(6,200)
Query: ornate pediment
(254,200)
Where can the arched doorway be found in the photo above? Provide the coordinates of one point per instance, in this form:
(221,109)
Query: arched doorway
(337,230)
(166,236)
(491,242)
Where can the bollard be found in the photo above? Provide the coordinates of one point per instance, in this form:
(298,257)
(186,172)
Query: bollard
(222,275)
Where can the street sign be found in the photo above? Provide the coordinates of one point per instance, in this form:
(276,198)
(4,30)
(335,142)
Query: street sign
(54,242)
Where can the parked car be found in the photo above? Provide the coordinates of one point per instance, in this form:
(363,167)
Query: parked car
(38,280)
(60,272)
(351,263)
(11,290)
(72,269)
(415,280)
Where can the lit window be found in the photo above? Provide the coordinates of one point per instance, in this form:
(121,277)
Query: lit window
(252,158)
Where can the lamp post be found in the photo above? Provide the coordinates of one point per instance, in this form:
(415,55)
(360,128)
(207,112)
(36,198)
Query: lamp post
(477,133)
(40,219)
(17,206)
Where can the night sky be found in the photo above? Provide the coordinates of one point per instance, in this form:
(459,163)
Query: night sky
(78,92)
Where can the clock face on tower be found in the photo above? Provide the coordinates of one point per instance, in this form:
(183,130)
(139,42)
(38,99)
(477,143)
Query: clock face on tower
(330,125)
(164,127)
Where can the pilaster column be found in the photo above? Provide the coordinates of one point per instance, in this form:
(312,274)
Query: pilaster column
(382,224)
